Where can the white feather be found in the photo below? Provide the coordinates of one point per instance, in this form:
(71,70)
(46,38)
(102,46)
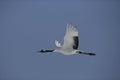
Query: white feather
(71,31)
(57,44)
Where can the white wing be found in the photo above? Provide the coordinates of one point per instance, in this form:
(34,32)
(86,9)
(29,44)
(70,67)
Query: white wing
(57,43)
(71,38)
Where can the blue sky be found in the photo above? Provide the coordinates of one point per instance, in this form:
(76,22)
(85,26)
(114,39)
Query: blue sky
(28,26)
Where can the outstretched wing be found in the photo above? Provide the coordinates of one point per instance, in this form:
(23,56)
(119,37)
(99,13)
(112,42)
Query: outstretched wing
(71,40)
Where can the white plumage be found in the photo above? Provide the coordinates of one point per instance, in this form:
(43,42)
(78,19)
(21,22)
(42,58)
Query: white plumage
(57,44)
(70,44)
(71,32)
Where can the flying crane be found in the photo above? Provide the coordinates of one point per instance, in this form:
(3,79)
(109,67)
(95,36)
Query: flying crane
(70,44)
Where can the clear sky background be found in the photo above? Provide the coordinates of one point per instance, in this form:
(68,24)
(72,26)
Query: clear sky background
(28,26)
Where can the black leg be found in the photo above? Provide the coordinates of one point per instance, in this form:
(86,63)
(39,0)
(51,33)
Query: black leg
(87,53)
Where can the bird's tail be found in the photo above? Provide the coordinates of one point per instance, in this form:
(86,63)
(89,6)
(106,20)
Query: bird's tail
(44,51)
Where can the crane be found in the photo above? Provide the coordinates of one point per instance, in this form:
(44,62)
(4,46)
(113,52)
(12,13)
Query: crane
(70,44)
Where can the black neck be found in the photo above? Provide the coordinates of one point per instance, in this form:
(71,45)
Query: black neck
(43,51)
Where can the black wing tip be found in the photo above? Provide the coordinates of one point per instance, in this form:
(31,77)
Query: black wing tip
(76,42)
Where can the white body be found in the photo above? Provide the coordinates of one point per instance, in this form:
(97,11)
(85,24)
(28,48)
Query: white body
(66,51)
